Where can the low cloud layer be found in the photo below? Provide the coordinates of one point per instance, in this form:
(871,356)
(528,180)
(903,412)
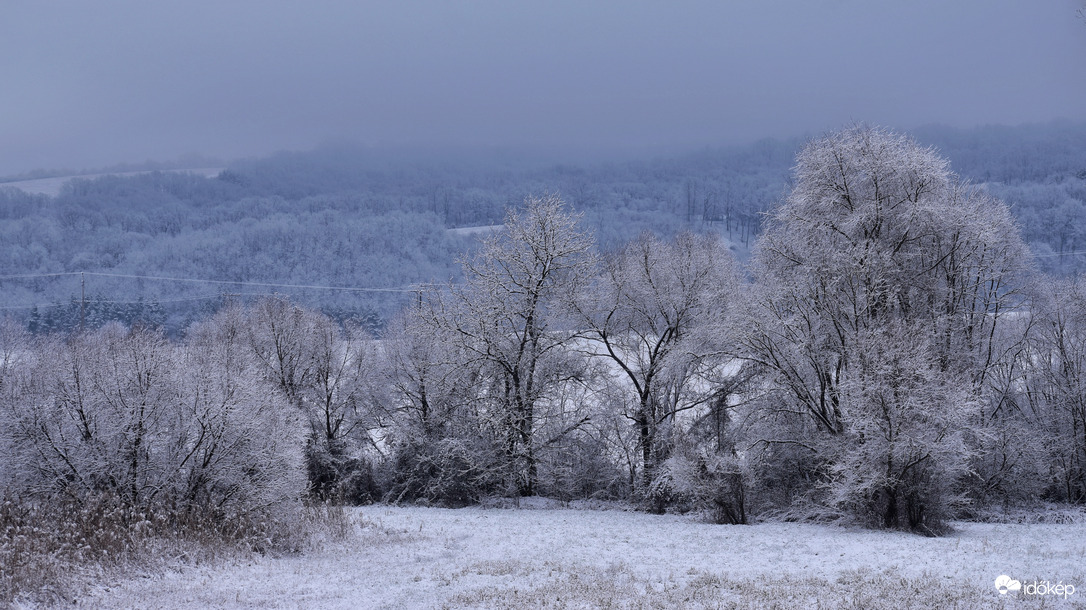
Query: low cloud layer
(90,84)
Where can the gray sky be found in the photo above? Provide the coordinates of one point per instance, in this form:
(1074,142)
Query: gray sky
(86,84)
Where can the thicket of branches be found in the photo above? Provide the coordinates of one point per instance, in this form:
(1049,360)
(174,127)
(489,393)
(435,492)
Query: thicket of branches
(886,359)
(120,446)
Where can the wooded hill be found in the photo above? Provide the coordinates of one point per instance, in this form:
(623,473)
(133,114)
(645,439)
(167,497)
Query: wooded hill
(350,217)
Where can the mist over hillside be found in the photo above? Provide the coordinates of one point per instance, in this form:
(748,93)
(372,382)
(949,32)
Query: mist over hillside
(354,231)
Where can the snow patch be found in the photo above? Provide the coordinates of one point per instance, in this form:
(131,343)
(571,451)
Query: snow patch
(478,231)
(52,186)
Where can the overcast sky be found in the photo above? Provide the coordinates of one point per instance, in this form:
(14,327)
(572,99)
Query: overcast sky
(86,84)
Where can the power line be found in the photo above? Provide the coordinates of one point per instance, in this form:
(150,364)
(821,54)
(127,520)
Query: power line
(260,284)
(151,301)
(38,306)
(410,288)
(1054,255)
(82,301)
(37,275)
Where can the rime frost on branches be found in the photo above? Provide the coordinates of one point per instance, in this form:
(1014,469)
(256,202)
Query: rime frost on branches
(881,262)
(506,322)
(653,312)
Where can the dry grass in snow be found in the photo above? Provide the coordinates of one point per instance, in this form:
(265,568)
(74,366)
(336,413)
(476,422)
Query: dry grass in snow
(560,558)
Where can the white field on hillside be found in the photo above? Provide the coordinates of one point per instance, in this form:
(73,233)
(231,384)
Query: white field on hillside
(563,558)
(53,186)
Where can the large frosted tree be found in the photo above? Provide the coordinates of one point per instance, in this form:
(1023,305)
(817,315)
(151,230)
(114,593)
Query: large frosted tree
(884,280)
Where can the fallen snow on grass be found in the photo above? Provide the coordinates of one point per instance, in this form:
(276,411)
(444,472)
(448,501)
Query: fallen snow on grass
(560,558)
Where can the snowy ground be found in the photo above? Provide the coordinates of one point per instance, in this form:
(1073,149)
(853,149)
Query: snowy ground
(562,558)
(52,186)
(480,231)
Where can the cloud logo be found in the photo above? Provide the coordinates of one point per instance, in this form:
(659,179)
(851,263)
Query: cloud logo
(1005,583)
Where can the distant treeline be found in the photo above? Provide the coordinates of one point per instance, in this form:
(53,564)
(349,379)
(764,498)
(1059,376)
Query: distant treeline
(350,217)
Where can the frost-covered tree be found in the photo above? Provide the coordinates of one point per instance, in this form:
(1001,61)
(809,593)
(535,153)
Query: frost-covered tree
(327,374)
(126,415)
(879,239)
(441,451)
(1056,396)
(340,404)
(905,446)
(424,379)
(101,420)
(504,319)
(241,445)
(649,315)
(15,355)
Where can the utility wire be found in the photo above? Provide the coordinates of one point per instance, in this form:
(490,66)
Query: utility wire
(1055,254)
(411,288)
(37,275)
(405,289)
(260,284)
(150,301)
(109,302)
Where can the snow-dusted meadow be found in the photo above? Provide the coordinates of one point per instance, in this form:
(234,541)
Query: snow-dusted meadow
(546,556)
(52,186)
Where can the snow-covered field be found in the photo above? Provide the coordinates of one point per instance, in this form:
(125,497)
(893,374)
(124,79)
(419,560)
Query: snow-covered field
(563,558)
(52,186)
(480,231)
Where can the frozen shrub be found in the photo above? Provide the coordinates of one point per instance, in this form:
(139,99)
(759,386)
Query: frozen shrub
(705,481)
(450,472)
(127,414)
(581,468)
(335,475)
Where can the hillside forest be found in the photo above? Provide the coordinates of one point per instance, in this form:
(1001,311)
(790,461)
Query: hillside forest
(355,232)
